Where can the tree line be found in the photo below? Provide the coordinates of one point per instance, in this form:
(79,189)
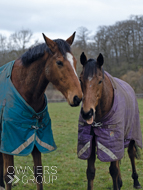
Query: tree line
(121,45)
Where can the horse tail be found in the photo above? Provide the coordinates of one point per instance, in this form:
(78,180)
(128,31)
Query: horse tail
(138,153)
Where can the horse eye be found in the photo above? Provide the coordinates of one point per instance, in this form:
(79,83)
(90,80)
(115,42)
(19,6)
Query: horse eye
(59,63)
(100,82)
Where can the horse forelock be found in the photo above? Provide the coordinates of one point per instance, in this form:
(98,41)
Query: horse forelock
(90,69)
(63,46)
(38,51)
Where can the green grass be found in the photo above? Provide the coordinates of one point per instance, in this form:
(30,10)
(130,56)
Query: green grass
(71,171)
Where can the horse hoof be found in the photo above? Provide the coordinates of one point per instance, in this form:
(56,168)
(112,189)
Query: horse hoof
(138,187)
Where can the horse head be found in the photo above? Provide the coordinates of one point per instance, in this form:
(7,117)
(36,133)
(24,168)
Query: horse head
(60,69)
(91,79)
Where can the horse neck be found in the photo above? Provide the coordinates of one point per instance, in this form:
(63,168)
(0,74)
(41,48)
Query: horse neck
(30,82)
(106,101)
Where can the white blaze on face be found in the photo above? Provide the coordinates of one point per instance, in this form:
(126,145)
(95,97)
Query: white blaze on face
(90,78)
(70,59)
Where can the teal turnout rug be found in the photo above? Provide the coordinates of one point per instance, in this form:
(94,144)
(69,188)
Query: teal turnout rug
(20,126)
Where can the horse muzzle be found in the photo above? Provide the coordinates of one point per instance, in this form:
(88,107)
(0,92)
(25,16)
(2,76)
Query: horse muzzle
(76,101)
(88,116)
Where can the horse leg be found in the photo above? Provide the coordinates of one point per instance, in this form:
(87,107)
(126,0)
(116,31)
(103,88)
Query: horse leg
(2,186)
(119,177)
(132,154)
(90,172)
(116,175)
(8,170)
(38,171)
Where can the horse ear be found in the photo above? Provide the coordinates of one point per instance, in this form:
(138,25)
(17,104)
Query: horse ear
(71,39)
(50,43)
(100,60)
(83,59)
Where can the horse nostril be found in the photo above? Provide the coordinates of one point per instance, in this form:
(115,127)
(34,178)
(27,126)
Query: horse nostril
(76,101)
(87,115)
(91,112)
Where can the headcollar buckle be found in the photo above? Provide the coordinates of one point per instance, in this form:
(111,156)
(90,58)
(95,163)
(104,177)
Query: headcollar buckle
(95,124)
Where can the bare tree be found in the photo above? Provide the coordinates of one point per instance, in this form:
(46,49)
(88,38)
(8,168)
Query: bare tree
(11,48)
(82,38)
(20,39)
(3,44)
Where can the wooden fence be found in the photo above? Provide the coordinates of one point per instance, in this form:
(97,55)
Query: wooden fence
(64,100)
(139,95)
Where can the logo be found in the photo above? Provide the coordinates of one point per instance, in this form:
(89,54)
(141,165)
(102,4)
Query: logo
(111,133)
(26,174)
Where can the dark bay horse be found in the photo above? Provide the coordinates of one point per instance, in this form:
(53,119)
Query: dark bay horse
(108,122)
(30,74)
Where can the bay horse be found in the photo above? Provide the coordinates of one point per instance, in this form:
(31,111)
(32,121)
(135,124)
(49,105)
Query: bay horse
(108,121)
(28,78)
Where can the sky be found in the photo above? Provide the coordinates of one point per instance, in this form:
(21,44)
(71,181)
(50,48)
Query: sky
(60,18)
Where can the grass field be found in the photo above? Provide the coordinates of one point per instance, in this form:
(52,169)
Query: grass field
(69,171)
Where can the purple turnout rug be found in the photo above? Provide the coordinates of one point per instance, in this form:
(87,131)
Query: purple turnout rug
(114,132)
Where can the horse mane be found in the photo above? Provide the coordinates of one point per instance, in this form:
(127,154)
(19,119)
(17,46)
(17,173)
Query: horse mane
(91,69)
(38,51)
